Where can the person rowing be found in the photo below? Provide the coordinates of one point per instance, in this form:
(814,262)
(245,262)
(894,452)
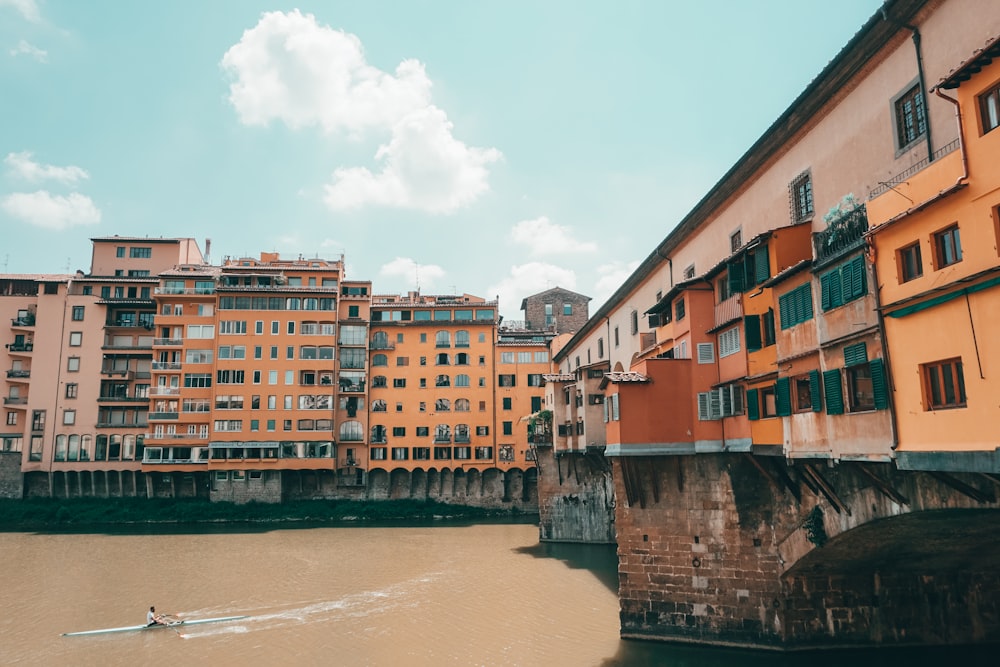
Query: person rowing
(152,618)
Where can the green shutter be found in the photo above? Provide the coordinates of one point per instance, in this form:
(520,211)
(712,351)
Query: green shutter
(751,326)
(735,277)
(846,279)
(782,397)
(753,405)
(769,327)
(762,265)
(824,291)
(806,302)
(858,279)
(855,354)
(785,311)
(815,391)
(834,395)
(879,386)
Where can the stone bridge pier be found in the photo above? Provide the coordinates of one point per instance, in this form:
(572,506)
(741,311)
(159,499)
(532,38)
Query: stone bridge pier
(743,550)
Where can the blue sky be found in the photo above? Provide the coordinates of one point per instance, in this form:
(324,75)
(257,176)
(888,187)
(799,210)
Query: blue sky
(497,148)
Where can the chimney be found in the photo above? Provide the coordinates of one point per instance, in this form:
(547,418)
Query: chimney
(208,250)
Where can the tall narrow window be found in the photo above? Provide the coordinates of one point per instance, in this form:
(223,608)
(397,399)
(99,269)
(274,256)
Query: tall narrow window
(944,385)
(911,119)
(801,193)
(947,247)
(989,109)
(910,264)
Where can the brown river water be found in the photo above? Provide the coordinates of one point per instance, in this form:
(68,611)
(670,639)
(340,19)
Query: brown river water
(486,594)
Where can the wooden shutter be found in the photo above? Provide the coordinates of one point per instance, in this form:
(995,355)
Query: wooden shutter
(703,407)
(753,404)
(769,327)
(806,302)
(858,277)
(855,354)
(751,326)
(785,314)
(736,282)
(782,397)
(834,394)
(761,265)
(815,391)
(879,385)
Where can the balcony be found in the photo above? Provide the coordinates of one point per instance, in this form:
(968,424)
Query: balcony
(163,416)
(134,345)
(128,324)
(842,236)
(15,400)
(540,439)
(117,372)
(382,345)
(174,291)
(164,391)
(461,440)
(122,399)
(174,436)
(19,374)
(348,386)
(25,321)
(166,365)
(119,425)
(379,441)
(168,342)
(442,439)
(21,347)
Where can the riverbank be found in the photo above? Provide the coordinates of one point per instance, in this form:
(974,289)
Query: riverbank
(40,514)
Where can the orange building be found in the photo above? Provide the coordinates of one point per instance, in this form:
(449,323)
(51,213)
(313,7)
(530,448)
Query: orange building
(935,234)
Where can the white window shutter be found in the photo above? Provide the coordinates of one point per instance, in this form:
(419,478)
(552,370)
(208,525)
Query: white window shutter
(706,353)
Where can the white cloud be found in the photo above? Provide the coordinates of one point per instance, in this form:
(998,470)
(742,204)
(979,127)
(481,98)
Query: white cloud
(28,9)
(422,275)
(612,276)
(25,48)
(527,279)
(43,209)
(543,237)
(426,168)
(290,69)
(24,167)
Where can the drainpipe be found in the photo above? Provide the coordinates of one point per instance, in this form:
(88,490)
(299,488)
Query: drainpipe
(920,74)
(893,427)
(670,264)
(961,135)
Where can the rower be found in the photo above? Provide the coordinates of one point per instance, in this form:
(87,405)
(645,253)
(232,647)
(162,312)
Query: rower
(152,618)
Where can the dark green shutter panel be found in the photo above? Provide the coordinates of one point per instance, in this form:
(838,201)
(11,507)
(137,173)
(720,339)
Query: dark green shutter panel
(815,391)
(806,301)
(858,278)
(847,279)
(735,277)
(855,354)
(834,396)
(751,324)
(762,265)
(769,326)
(879,386)
(782,397)
(753,405)
(836,295)
(824,291)
(784,311)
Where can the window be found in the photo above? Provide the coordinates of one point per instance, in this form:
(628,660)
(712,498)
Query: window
(796,306)
(944,384)
(910,264)
(679,310)
(75,338)
(947,247)
(736,240)
(508,428)
(860,392)
(722,402)
(508,380)
(801,193)
(399,383)
(69,417)
(843,284)
(567,309)
(689,272)
(729,342)
(71,389)
(461,380)
(706,353)
(507,403)
(399,431)
(634,322)
(11,418)
(911,119)
(377,360)
(77,313)
(989,109)
(423,431)
(768,406)
(140,253)
(73,364)
(120,251)
(806,392)
(535,380)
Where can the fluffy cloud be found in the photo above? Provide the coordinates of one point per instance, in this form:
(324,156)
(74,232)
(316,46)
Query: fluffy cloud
(426,168)
(612,276)
(422,275)
(43,209)
(527,279)
(24,167)
(28,9)
(290,69)
(543,237)
(24,48)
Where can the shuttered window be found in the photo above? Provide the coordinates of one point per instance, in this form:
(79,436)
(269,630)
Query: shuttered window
(706,353)
(782,397)
(815,391)
(880,386)
(833,391)
(796,306)
(750,270)
(843,284)
(751,327)
(855,354)
(753,405)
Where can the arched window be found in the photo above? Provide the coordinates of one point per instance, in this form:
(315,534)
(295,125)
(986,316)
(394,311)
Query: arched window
(442,381)
(442,359)
(442,433)
(60,448)
(462,338)
(380,340)
(461,380)
(461,405)
(101,454)
(351,432)
(442,405)
(380,360)
(128,449)
(442,339)
(462,359)
(74,448)
(86,447)
(378,434)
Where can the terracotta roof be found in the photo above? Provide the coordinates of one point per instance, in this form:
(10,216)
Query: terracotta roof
(980,59)
(558,377)
(625,376)
(42,277)
(787,273)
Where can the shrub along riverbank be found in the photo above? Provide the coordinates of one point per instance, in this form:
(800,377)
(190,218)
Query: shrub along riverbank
(40,514)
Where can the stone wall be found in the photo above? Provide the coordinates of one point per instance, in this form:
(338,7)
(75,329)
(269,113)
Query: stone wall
(263,489)
(534,311)
(11,483)
(725,549)
(576,500)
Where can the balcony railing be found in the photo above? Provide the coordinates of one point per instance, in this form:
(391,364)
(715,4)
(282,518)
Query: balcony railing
(168,342)
(166,365)
(461,440)
(382,345)
(119,425)
(15,400)
(122,399)
(18,374)
(885,186)
(164,391)
(174,436)
(165,460)
(185,290)
(28,321)
(352,386)
(163,416)
(21,347)
(442,439)
(841,236)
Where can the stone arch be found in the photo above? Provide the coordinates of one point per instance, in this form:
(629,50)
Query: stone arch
(513,484)
(459,488)
(447,484)
(433,484)
(378,484)
(474,483)
(418,485)
(399,484)
(493,484)
(529,486)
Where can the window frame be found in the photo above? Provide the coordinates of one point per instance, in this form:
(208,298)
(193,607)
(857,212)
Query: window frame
(957,374)
(903,265)
(947,247)
(904,141)
(801,202)
(993,93)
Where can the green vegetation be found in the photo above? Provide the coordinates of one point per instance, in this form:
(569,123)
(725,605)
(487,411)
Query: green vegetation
(41,514)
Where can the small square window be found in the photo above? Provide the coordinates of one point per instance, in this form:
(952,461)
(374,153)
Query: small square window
(944,385)
(69,417)
(801,192)
(947,247)
(736,240)
(910,264)
(75,338)
(73,364)
(77,313)
(768,406)
(911,119)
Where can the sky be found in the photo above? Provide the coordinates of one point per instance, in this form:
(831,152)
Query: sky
(496,148)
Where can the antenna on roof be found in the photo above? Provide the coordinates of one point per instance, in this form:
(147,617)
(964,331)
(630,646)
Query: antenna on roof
(416,274)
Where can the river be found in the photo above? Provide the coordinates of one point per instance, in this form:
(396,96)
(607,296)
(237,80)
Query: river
(485,594)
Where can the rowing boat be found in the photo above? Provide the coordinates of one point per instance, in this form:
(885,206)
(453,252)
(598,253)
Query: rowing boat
(174,624)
